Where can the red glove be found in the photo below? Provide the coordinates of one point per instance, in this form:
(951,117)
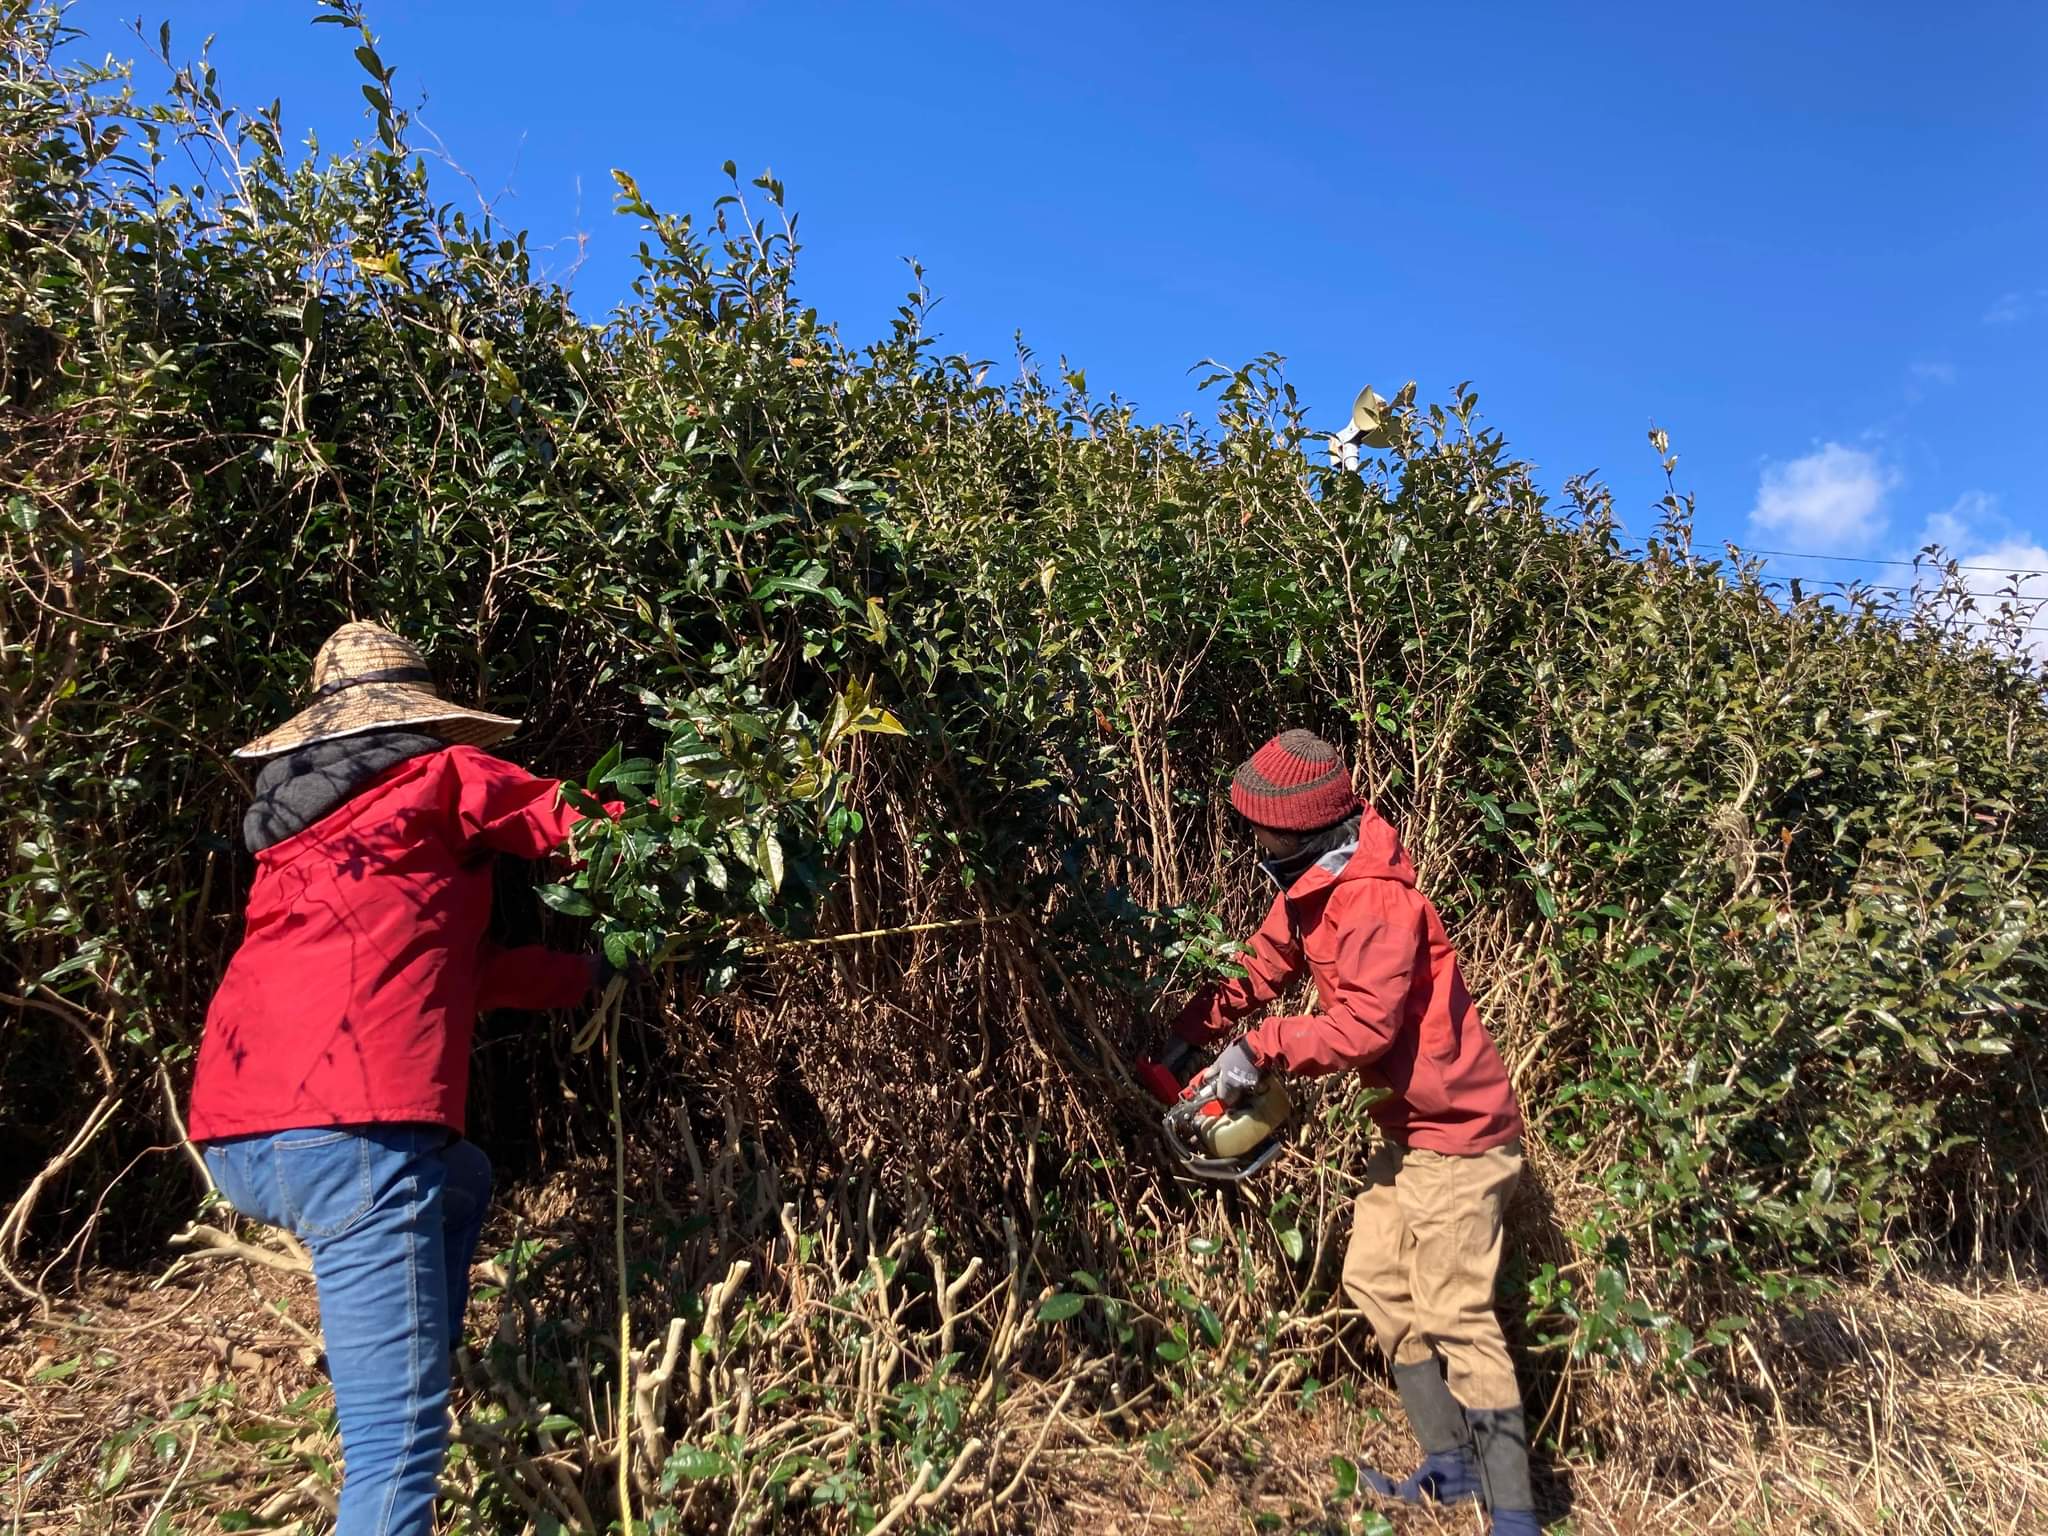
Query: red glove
(1157,1080)
(1162,1076)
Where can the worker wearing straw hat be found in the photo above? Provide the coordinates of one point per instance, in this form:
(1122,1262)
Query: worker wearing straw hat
(329,1093)
(366,678)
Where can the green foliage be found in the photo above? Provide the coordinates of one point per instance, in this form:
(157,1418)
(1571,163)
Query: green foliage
(734,820)
(1749,881)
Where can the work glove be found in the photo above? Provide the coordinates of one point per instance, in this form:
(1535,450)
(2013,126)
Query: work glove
(1157,1079)
(1165,1075)
(1235,1074)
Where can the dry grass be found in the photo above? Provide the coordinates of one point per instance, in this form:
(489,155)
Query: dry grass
(124,1358)
(1918,1408)
(1912,1407)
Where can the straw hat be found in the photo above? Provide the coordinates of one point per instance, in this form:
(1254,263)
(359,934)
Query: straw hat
(366,679)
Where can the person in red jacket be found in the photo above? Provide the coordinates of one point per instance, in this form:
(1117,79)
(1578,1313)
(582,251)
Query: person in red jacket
(329,1094)
(1426,1233)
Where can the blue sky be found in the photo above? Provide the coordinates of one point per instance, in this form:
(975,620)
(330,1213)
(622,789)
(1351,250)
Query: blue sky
(1809,240)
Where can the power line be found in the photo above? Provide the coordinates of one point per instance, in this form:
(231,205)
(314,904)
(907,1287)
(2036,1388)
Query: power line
(1877,586)
(1793,554)
(2023,629)
(1983,624)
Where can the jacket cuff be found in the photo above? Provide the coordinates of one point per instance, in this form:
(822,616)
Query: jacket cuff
(1268,1045)
(1311,1045)
(534,978)
(1197,1023)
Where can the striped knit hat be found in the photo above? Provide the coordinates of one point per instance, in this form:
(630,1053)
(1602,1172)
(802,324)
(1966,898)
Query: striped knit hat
(1297,782)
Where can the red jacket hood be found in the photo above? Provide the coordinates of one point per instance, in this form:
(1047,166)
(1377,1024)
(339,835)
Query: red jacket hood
(1378,856)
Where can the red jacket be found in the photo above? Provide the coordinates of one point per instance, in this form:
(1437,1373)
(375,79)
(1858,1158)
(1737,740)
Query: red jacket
(1394,1005)
(363,963)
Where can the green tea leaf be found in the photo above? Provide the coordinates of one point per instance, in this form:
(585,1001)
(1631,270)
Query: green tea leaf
(567,901)
(1345,1474)
(690,1463)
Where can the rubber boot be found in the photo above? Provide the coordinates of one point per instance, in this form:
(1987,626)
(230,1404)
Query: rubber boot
(1500,1441)
(1449,1473)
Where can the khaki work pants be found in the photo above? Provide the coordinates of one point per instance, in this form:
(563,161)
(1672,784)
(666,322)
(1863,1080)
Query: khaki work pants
(1425,1248)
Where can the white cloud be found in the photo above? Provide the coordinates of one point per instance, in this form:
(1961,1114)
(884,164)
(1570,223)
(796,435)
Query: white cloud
(2007,580)
(1998,571)
(1934,373)
(1944,530)
(1963,521)
(2015,305)
(1993,570)
(1830,499)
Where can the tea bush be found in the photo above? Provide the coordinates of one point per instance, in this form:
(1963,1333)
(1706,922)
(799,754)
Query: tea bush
(1749,879)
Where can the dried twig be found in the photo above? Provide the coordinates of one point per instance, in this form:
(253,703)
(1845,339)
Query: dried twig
(212,1243)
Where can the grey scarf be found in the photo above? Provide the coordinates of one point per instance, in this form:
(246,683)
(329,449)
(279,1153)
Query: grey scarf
(296,790)
(1329,843)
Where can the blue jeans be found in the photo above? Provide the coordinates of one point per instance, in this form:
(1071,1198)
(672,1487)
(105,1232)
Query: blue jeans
(391,1214)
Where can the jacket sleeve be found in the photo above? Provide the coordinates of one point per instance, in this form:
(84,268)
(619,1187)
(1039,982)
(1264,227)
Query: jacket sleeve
(1271,961)
(501,807)
(1377,950)
(531,976)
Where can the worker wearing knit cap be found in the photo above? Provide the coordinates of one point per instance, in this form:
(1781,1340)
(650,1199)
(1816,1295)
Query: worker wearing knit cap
(1297,782)
(1426,1232)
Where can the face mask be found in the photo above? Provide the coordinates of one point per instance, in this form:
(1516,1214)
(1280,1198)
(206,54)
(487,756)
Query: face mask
(1288,868)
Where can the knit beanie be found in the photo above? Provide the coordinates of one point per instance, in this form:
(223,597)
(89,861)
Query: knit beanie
(1297,782)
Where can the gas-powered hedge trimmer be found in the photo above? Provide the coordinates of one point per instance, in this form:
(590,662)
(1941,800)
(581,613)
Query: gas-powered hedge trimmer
(1210,1140)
